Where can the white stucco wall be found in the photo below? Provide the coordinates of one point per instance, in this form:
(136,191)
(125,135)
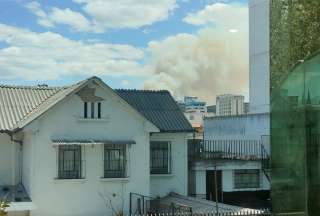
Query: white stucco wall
(9,161)
(227,175)
(71,197)
(177,181)
(6,160)
(259,56)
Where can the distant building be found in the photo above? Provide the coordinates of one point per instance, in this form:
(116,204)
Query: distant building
(211,111)
(195,111)
(246,107)
(194,104)
(229,104)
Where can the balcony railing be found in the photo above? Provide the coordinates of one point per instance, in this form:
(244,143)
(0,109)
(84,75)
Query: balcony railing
(226,149)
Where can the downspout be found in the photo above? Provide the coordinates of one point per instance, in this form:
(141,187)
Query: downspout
(11,134)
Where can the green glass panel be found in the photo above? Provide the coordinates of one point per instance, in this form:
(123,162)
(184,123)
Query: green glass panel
(295,107)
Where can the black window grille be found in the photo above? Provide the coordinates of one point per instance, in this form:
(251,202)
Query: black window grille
(115,161)
(69,162)
(92,109)
(99,110)
(246,178)
(85,109)
(160,157)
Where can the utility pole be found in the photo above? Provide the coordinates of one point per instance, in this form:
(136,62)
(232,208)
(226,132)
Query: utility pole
(216,189)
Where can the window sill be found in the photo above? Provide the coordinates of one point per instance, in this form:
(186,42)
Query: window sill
(126,179)
(93,120)
(161,175)
(57,180)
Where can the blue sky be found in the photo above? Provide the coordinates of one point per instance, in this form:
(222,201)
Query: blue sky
(128,43)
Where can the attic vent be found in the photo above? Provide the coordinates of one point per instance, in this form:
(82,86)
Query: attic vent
(43,85)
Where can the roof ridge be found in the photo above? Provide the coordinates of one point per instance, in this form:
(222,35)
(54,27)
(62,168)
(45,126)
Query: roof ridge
(144,90)
(39,87)
(57,91)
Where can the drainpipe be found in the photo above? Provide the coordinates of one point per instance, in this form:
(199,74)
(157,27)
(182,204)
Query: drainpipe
(20,159)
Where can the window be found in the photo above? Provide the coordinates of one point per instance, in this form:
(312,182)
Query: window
(85,110)
(69,162)
(160,161)
(92,110)
(115,161)
(247,178)
(99,110)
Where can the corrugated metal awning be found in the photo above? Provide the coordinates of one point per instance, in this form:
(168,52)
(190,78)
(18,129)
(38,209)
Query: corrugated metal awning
(91,142)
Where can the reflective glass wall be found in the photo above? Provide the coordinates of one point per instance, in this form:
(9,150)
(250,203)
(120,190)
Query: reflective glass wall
(295,106)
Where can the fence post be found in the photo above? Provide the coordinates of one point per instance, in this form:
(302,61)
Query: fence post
(130,205)
(172,209)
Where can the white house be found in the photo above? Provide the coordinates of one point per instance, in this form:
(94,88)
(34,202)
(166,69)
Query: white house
(82,149)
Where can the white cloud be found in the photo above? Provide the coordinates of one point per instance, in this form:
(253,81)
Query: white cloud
(73,19)
(127,13)
(101,15)
(222,15)
(48,55)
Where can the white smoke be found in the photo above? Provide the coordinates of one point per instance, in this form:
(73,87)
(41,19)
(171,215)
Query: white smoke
(211,62)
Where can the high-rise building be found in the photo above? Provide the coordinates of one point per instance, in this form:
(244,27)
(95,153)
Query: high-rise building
(229,104)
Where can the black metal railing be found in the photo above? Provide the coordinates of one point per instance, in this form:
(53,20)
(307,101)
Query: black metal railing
(115,168)
(145,205)
(160,158)
(226,149)
(71,169)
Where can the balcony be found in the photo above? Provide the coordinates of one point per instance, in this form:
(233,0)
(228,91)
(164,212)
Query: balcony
(248,150)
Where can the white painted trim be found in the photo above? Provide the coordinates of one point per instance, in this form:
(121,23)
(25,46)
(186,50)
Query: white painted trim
(79,181)
(162,175)
(114,179)
(95,120)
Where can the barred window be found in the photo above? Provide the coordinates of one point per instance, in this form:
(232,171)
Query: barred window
(115,161)
(69,162)
(160,157)
(246,178)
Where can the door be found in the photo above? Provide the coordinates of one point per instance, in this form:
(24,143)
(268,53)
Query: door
(214,185)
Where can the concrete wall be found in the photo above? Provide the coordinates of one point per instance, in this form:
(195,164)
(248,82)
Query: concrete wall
(71,197)
(177,181)
(259,56)
(251,126)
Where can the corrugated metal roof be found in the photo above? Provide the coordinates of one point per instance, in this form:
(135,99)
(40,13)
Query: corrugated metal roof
(205,206)
(21,104)
(158,107)
(92,142)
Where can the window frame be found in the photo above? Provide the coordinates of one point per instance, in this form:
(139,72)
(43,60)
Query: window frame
(166,167)
(76,169)
(122,161)
(242,176)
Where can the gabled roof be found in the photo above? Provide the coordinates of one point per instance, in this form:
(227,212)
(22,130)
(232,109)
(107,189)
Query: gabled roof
(158,107)
(21,104)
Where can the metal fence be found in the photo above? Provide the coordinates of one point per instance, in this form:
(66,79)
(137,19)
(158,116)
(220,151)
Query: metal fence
(226,149)
(145,205)
(263,212)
